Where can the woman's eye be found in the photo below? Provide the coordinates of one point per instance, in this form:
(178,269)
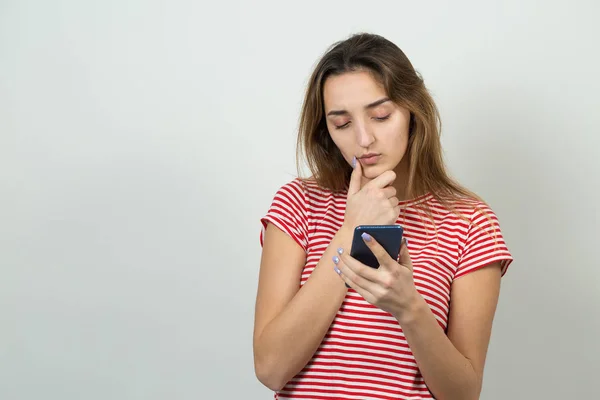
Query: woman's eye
(375,118)
(382,118)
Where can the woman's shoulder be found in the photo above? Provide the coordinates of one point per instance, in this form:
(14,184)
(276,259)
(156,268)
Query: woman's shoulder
(293,189)
(461,207)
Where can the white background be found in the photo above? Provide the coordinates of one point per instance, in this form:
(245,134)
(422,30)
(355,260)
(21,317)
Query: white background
(141,142)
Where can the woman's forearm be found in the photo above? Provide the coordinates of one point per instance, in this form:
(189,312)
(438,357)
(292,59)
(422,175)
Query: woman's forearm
(448,374)
(287,343)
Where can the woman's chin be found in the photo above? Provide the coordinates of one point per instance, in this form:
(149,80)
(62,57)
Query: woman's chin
(373,171)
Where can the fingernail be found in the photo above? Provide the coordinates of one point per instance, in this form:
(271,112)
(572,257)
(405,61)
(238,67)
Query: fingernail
(337,270)
(406,241)
(340,251)
(354,162)
(336,259)
(366,236)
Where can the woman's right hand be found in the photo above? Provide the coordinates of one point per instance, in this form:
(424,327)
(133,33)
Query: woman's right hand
(373,204)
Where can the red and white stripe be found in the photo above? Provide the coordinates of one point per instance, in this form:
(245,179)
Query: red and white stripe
(365,355)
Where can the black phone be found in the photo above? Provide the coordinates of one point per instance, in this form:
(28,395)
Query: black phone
(388,236)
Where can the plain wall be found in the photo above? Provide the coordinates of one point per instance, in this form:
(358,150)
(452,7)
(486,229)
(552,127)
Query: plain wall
(141,142)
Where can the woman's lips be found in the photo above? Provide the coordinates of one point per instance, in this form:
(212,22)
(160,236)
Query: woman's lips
(370,159)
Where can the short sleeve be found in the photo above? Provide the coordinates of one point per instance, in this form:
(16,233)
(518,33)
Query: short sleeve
(288,213)
(484,243)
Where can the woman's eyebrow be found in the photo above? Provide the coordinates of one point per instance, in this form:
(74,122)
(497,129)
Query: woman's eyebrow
(368,106)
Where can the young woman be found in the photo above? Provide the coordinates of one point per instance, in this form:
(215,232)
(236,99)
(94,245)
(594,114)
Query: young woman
(418,327)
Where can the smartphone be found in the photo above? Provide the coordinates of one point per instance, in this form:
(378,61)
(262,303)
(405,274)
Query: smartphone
(388,236)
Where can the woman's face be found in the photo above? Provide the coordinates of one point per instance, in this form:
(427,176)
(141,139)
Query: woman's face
(364,123)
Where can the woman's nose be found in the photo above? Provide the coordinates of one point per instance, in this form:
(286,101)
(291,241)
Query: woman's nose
(364,137)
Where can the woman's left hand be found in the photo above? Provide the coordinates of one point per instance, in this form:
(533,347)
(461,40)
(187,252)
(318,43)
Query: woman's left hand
(390,287)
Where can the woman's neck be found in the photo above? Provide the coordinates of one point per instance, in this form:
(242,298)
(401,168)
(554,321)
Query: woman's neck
(401,181)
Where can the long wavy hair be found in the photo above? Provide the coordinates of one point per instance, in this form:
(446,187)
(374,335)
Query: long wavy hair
(404,86)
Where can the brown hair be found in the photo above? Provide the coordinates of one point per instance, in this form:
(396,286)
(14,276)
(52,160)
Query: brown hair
(404,86)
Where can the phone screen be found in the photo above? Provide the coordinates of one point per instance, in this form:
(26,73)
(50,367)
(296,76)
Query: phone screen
(388,236)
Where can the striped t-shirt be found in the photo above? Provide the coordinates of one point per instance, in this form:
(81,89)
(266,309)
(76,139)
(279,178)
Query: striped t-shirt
(364,354)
